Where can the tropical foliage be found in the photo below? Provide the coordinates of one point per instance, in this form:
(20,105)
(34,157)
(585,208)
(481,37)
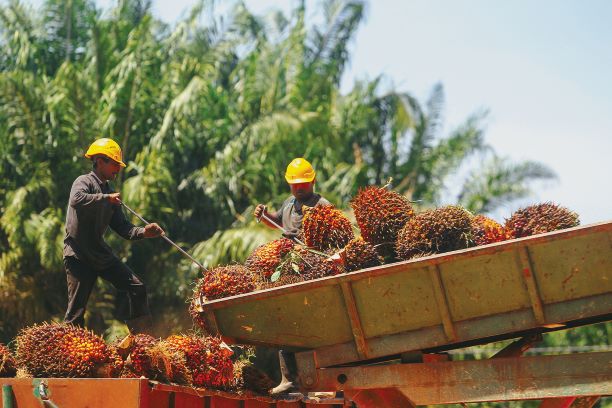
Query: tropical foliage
(208,111)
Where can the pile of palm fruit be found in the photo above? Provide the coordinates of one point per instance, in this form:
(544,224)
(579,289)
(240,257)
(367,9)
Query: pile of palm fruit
(391,230)
(64,350)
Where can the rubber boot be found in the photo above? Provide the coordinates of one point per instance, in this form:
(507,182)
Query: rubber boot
(288,368)
(142,324)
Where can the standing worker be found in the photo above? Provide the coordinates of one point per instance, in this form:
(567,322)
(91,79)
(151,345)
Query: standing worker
(92,208)
(301,178)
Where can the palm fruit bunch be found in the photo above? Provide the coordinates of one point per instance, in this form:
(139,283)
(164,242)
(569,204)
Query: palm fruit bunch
(61,350)
(248,377)
(435,231)
(169,364)
(138,361)
(208,359)
(539,219)
(7,362)
(224,281)
(288,278)
(487,231)
(309,265)
(358,254)
(325,227)
(381,214)
(267,257)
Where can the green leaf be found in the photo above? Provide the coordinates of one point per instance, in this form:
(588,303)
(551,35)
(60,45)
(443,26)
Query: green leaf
(275,276)
(295,267)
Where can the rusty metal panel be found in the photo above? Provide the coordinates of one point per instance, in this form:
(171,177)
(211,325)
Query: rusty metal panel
(77,392)
(407,303)
(313,318)
(502,379)
(491,291)
(483,286)
(573,268)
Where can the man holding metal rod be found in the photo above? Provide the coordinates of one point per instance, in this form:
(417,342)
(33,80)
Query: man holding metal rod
(301,178)
(92,208)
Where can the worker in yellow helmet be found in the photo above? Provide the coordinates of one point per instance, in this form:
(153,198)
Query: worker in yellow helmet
(301,178)
(92,208)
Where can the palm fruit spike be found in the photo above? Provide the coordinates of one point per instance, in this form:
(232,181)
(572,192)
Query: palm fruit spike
(325,227)
(7,362)
(539,219)
(224,281)
(267,257)
(380,214)
(487,231)
(207,359)
(61,350)
(359,254)
(169,364)
(435,231)
(248,377)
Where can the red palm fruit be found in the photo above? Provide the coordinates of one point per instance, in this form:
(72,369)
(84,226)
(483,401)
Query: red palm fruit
(381,214)
(325,227)
(435,232)
(7,362)
(487,231)
(358,254)
(539,219)
(267,257)
(224,281)
(138,361)
(309,265)
(61,350)
(208,360)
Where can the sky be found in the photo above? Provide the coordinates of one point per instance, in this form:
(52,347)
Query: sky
(543,70)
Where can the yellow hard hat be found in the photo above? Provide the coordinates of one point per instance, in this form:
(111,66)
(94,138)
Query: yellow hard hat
(106,147)
(299,171)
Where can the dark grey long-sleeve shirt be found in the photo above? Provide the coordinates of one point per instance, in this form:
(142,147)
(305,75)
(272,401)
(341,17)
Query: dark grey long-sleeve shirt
(88,217)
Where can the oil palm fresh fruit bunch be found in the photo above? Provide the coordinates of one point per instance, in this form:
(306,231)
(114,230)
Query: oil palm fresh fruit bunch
(359,254)
(169,364)
(224,281)
(487,231)
(208,359)
(61,350)
(248,377)
(435,231)
(288,278)
(308,264)
(539,219)
(138,361)
(8,367)
(381,214)
(325,227)
(267,257)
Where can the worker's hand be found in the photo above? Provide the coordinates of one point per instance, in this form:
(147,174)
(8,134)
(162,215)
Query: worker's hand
(115,198)
(259,210)
(153,231)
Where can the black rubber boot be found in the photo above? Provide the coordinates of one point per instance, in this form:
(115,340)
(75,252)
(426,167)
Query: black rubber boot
(288,368)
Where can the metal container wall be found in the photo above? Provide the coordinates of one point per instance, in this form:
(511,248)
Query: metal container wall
(509,287)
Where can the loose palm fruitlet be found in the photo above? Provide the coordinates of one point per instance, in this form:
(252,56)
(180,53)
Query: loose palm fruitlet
(359,254)
(61,350)
(7,362)
(487,231)
(380,214)
(267,257)
(435,231)
(208,360)
(539,219)
(224,281)
(325,227)
(248,377)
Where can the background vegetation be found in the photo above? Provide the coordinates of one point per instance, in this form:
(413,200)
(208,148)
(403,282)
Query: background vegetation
(209,111)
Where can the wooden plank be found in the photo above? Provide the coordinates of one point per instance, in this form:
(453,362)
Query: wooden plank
(503,379)
(527,272)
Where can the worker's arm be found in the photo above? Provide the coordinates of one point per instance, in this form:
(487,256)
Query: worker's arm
(120,224)
(81,195)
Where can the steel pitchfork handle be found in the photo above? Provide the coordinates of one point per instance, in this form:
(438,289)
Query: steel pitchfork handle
(271,221)
(164,237)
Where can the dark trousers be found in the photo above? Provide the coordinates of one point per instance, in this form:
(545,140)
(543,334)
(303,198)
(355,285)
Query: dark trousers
(82,279)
